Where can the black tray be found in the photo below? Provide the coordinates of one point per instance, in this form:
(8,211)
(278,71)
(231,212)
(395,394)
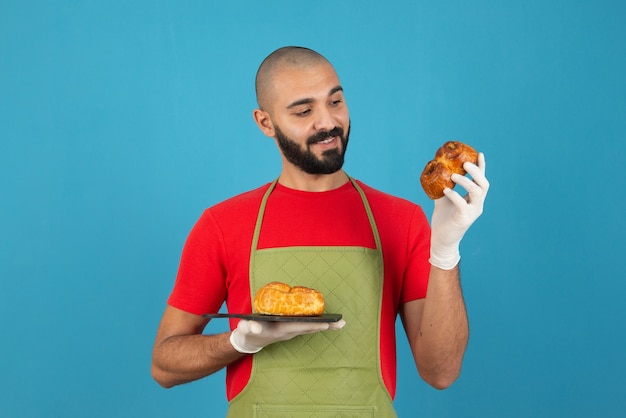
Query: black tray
(278,318)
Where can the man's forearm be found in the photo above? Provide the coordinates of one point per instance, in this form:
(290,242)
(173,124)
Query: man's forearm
(444,329)
(184,358)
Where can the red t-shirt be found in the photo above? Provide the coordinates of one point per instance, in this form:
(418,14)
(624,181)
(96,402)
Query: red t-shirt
(215,261)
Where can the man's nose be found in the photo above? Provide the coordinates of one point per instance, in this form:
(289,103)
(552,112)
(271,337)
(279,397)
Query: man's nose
(324,120)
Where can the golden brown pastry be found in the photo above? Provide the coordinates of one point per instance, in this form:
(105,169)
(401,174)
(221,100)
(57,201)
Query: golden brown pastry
(449,159)
(278,298)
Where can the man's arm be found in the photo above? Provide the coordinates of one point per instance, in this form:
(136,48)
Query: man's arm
(437,328)
(181,353)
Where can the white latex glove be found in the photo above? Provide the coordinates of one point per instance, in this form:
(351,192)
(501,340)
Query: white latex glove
(251,336)
(454,214)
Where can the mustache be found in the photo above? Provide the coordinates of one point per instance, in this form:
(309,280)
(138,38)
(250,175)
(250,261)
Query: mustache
(322,135)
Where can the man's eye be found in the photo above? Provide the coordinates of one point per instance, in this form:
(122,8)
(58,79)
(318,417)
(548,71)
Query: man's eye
(336,102)
(303,112)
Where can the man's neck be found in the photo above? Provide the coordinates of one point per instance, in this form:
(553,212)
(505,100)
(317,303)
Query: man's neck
(300,180)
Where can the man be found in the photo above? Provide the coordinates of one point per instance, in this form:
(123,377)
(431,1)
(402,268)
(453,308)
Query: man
(373,256)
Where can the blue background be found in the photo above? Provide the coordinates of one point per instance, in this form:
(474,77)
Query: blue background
(121,121)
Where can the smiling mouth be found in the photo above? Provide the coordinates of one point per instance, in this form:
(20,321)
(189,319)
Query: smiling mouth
(327,140)
(325,137)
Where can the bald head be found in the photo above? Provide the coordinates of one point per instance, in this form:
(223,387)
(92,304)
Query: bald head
(286,57)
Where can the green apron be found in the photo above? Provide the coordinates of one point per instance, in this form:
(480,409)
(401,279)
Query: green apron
(331,373)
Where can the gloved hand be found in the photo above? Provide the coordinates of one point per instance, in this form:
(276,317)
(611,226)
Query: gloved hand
(453,215)
(251,336)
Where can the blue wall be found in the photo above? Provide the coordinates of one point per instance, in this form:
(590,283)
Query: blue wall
(121,121)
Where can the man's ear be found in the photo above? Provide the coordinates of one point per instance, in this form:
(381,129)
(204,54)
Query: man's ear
(264,122)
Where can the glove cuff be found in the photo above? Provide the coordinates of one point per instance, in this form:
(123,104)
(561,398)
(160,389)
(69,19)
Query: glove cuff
(240,346)
(445,258)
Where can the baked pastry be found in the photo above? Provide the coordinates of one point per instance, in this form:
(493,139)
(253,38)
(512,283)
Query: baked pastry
(278,298)
(448,160)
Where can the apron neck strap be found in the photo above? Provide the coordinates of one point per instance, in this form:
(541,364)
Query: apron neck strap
(368,210)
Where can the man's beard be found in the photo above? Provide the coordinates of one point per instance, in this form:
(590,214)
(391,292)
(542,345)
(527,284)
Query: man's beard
(331,160)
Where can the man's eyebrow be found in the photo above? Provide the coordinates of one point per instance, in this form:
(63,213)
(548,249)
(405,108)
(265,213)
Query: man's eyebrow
(335,90)
(309,100)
